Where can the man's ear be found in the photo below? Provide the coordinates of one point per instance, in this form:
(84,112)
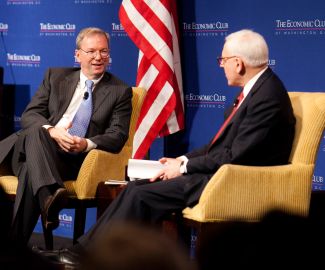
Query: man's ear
(240,66)
(77,55)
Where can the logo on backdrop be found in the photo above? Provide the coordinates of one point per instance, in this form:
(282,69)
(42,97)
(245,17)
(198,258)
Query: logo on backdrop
(94,2)
(23,2)
(318,182)
(300,27)
(118,30)
(4,28)
(65,29)
(65,220)
(17,122)
(271,63)
(205,29)
(207,101)
(17,60)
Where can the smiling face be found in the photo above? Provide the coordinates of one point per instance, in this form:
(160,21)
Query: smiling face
(93,67)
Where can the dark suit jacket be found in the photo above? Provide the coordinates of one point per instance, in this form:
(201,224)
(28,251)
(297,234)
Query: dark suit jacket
(112,107)
(260,134)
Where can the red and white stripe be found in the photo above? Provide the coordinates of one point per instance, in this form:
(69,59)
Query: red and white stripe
(151,26)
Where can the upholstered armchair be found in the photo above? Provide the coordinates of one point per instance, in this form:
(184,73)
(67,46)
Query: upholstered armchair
(247,193)
(98,166)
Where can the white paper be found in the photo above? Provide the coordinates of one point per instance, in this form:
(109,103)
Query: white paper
(143,169)
(115,182)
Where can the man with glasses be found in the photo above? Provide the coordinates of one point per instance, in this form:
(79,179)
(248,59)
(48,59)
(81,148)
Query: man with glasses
(55,137)
(259,132)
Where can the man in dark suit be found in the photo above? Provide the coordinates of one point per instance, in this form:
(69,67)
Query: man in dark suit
(44,154)
(260,133)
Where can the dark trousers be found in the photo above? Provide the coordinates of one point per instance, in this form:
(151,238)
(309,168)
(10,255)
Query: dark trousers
(37,162)
(140,201)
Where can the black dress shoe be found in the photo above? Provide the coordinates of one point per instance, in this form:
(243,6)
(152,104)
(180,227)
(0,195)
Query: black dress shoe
(67,257)
(44,252)
(37,250)
(53,205)
(70,259)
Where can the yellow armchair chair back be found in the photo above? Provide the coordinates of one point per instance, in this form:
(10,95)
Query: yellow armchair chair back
(247,193)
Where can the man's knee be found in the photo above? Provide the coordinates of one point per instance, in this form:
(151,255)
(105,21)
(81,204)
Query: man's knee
(36,131)
(38,136)
(139,193)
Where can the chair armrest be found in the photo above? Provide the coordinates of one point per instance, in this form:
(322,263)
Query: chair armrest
(238,192)
(99,166)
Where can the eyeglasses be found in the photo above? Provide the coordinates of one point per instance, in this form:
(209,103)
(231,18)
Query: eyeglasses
(223,60)
(93,54)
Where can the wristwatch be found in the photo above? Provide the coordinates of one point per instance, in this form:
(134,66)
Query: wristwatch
(182,168)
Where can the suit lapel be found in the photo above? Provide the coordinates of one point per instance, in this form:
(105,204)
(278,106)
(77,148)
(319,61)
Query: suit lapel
(254,89)
(101,91)
(67,88)
(265,75)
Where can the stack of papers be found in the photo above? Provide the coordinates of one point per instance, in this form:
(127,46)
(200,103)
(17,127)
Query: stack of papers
(115,182)
(143,169)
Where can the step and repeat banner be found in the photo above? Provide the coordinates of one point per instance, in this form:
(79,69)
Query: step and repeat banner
(37,34)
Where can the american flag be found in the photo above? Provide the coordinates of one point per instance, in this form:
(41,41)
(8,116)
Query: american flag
(152,26)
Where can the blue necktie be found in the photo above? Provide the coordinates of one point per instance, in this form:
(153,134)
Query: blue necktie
(81,120)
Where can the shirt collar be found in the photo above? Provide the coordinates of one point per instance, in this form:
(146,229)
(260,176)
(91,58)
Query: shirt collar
(249,85)
(83,80)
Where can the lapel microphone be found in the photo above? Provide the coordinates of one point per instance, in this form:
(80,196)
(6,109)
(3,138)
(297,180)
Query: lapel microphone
(238,99)
(235,102)
(86,95)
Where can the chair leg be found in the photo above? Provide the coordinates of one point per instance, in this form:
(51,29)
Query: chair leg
(176,228)
(48,238)
(191,232)
(79,223)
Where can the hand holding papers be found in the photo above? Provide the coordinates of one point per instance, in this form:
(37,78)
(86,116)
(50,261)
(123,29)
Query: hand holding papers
(164,169)
(143,169)
(139,169)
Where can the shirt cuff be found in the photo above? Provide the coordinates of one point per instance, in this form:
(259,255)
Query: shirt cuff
(47,126)
(90,145)
(183,168)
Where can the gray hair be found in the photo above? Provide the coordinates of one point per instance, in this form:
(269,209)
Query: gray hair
(248,45)
(89,32)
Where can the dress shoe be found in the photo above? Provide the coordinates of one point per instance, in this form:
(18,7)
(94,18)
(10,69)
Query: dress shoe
(65,256)
(44,252)
(70,259)
(53,205)
(37,250)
